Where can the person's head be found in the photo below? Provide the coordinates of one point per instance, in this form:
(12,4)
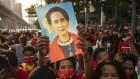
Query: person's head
(99,54)
(66,64)
(39,34)
(90,22)
(23,40)
(28,35)
(12,58)
(128,61)
(2,39)
(5,34)
(109,69)
(58,19)
(66,68)
(42,72)
(89,41)
(29,53)
(3,66)
(105,40)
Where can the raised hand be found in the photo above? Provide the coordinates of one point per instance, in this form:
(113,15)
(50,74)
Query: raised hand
(43,44)
(81,30)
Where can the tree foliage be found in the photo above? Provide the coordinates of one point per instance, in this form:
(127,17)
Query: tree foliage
(31,13)
(108,7)
(36,22)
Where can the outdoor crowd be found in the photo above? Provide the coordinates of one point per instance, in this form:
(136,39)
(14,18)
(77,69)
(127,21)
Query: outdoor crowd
(106,54)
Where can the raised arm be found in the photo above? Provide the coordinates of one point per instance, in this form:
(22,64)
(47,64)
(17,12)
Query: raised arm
(132,46)
(43,47)
(88,66)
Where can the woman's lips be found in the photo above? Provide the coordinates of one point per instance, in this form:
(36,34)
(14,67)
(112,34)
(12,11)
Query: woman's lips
(61,30)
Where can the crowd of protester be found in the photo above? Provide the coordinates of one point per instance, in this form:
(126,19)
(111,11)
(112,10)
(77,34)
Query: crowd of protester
(107,54)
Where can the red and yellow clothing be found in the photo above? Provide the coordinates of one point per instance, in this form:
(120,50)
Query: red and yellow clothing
(28,68)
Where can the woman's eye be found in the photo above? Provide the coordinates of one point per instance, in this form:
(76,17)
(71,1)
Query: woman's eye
(104,75)
(62,67)
(115,75)
(62,20)
(56,22)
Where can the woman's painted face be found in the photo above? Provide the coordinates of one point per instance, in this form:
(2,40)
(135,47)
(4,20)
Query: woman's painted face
(59,23)
(109,72)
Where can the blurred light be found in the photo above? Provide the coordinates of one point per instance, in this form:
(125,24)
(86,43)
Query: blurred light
(0,18)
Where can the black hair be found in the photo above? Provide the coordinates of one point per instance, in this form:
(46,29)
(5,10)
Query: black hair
(4,46)
(28,34)
(72,59)
(90,50)
(39,32)
(121,58)
(5,33)
(23,40)
(12,58)
(119,68)
(3,61)
(96,52)
(42,72)
(89,39)
(105,39)
(29,48)
(2,38)
(54,9)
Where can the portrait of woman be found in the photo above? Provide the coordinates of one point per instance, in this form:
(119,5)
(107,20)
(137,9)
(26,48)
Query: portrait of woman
(64,44)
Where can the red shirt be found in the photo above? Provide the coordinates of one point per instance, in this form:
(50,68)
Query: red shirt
(21,74)
(94,64)
(87,35)
(79,76)
(107,34)
(123,46)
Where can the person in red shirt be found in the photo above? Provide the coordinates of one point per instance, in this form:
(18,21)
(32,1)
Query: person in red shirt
(29,53)
(129,62)
(20,74)
(109,69)
(13,70)
(124,46)
(127,45)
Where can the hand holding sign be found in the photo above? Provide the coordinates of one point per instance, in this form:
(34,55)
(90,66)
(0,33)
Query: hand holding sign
(43,44)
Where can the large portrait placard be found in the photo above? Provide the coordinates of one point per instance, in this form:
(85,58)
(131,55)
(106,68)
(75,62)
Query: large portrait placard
(58,21)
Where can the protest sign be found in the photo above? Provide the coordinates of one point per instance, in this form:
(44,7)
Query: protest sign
(58,21)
